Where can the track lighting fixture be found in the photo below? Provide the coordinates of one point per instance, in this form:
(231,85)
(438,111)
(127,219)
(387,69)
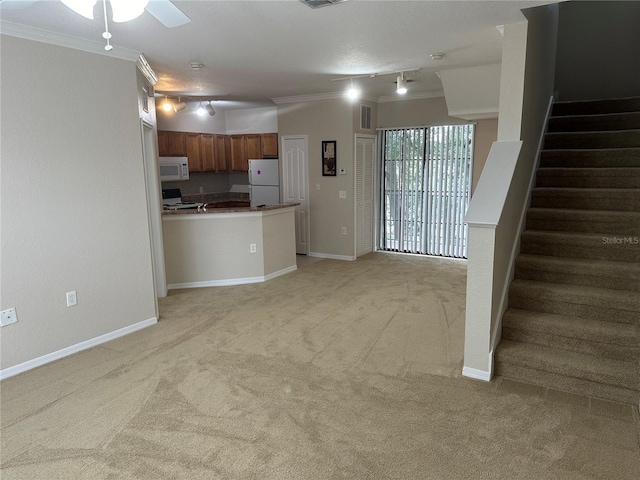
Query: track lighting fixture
(353,92)
(402,81)
(201,111)
(210,109)
(178,107)
(401,87)
(166,106)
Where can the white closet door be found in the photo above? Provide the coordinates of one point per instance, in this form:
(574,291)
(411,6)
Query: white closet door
(364,177)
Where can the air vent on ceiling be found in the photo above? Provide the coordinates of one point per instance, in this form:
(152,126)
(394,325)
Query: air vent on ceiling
(320,3)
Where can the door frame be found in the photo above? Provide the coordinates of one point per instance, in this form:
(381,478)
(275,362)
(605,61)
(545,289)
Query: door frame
(374,199)
(305,138)
(154,214)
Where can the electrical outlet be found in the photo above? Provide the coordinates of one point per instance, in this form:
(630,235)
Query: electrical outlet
(252,248)
(72,299)
(344,230)
(342,194)
(8,317)
(201,189)
(317,186)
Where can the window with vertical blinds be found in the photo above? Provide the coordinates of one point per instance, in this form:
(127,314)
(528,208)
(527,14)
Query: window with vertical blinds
(426,185)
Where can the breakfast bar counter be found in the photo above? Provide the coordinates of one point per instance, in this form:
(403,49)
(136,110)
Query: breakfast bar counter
(228,245)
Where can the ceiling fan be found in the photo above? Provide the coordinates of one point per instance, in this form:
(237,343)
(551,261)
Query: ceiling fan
(163,10)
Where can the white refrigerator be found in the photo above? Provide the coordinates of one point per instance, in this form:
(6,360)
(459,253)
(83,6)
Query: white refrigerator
(264,182)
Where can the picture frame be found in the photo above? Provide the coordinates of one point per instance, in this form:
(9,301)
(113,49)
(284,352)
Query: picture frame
(329,158)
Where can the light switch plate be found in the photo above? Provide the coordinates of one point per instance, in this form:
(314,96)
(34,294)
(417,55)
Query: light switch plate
(342,194)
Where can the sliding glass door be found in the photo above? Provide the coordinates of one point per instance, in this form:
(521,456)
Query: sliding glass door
(426,185)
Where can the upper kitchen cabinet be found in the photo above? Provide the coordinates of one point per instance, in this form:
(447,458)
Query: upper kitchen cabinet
(194,152)
(239,155)
(163,144)
(208,152)
(177,144)
(269,143)
(222,153)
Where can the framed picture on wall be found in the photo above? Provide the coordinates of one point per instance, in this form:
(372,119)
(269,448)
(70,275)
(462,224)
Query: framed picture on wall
(328,158)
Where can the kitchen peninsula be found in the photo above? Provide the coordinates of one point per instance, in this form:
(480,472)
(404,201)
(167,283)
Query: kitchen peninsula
(228,246)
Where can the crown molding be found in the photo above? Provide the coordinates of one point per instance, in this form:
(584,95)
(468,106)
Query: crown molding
(411,96)
(63,40)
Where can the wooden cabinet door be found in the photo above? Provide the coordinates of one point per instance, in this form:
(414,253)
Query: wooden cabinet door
(193,152)
(239,158)
(163,144)
(177,144)
(254,149)
(269,145)
(207,151)
(223,153)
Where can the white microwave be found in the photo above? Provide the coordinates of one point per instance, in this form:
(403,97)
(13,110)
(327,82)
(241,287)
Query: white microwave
(174,168)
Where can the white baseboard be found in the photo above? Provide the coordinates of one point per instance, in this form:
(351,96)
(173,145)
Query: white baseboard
(332,257)
(227,282)
(477,374)
(78,347)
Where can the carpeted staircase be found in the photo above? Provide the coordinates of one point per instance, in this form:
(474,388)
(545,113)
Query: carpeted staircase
(573,321)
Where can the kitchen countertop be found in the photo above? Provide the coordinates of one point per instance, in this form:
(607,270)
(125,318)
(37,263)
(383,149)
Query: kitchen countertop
(213,210)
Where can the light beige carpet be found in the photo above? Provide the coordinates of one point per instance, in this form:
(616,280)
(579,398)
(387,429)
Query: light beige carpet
(338,370)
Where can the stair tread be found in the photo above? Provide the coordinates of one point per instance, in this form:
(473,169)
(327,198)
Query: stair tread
(612,171)
(619,268)
(573,327)
(579,294)
(582,212)
(554,235)
(572,364)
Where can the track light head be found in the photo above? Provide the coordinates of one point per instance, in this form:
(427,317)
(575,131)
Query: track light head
(178,107)
(402,84)
(210,109)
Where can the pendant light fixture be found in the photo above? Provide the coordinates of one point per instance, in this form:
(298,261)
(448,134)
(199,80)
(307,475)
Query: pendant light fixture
(402,84)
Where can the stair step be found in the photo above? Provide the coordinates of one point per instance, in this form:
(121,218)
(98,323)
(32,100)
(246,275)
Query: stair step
(577,177)
(568,371)
(576,271)
(595,158)
(586,107)
(592,337)
(586,302)
(612,139)
(622,224)
(581,245)
(616,199)
(602,122)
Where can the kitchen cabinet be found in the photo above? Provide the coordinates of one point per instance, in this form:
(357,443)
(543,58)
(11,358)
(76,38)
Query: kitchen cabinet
(177,144)
(269,142)
(254,146)
(163,144)
(193,152)
(239,156)
(207,152)
(222,153)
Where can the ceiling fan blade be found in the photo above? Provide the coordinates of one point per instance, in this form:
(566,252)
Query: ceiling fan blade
(15,4)
(167,13)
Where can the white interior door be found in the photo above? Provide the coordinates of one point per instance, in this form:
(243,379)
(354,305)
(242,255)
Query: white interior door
(364,178)
(295,189)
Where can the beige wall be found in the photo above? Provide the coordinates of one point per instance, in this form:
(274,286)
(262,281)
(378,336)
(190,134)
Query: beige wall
(431,112)
(326,120)
(74,211)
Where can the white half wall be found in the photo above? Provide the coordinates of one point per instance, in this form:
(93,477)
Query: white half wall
(472,93)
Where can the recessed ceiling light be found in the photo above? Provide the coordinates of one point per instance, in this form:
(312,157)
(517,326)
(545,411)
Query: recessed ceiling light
(436,56)
(196,65)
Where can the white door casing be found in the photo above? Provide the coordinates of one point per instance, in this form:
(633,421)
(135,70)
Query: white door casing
(364,187)
(295,178)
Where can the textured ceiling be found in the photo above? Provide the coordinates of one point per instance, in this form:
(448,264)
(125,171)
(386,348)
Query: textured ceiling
(254,51)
